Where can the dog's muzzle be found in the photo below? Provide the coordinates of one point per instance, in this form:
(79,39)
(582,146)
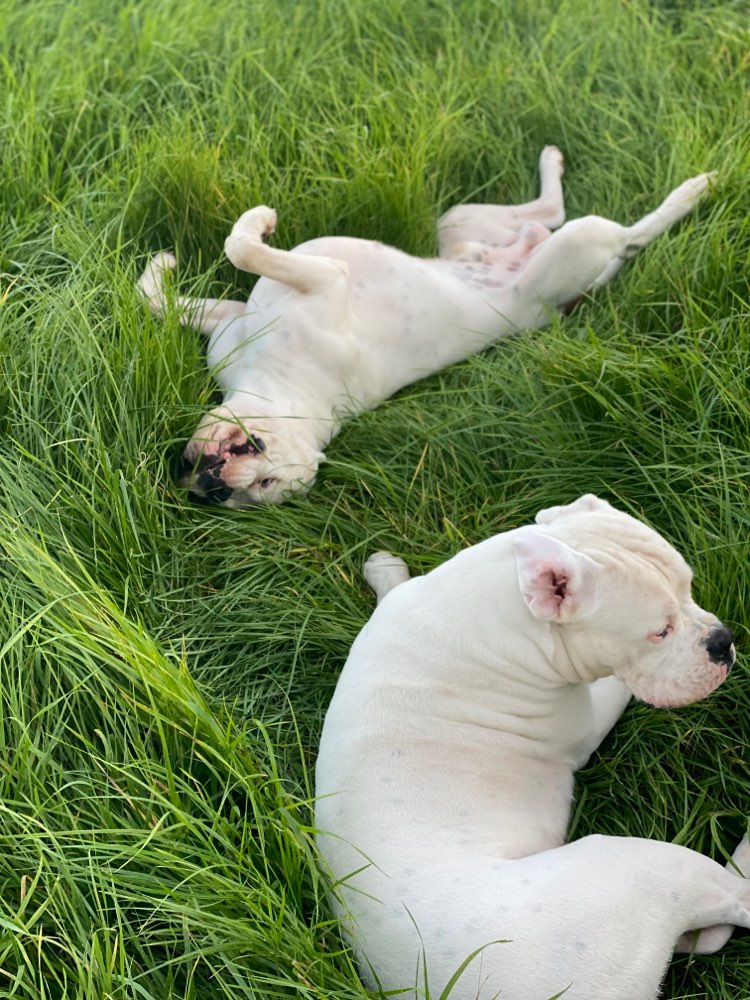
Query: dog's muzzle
(208,479)
(205,474)
(720,646)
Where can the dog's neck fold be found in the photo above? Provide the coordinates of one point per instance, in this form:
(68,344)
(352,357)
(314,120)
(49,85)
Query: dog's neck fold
(570,663)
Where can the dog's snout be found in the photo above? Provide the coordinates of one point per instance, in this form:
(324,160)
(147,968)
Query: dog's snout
(720,645)
(214,489)
(205,476)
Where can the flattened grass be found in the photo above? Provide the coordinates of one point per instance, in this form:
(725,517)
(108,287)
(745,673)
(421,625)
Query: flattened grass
(164,669)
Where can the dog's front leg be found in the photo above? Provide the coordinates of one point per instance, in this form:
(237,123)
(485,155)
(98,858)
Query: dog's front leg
(609,699)
(307,273)
(203,314)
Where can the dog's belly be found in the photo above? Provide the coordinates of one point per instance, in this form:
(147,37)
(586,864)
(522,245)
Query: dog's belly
(412,316)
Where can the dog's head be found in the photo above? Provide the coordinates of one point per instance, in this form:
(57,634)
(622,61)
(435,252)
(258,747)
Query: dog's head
(621,597)
(235,461)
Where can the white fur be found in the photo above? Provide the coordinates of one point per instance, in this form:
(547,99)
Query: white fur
(339,324)
(446,763)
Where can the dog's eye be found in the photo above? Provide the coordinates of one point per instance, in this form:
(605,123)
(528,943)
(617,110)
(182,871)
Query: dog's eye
(658,636)
(265,483)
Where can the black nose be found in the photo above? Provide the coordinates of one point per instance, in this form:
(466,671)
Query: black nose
(253,445)
(214,489)
(719,645)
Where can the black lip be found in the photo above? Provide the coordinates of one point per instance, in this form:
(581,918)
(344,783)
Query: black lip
(252,446)
(199,498)
(184,468)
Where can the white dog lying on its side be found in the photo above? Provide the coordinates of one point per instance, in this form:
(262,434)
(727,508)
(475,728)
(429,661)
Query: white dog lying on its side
(337,325)
(445,773)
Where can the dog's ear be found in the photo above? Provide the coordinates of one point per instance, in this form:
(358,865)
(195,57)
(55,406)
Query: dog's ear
(558,584)
(588,502)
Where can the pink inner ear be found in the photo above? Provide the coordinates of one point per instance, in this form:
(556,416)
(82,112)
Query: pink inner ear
(559,583)
(554,578)
(552,588)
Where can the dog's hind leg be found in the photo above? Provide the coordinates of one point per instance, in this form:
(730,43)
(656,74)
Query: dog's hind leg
(383,572)
(676,205)
(203,314)
(307,273)
(711,939)
(588,252)
(467,226)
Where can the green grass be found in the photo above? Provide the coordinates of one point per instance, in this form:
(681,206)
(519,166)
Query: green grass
(165,669)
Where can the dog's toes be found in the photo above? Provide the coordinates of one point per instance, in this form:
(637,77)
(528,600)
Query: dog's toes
(258,221)
(264,218)
(702,181)
(270,221)
(163,261)
(383,572)
(690,190)
(151,282)
(551,158)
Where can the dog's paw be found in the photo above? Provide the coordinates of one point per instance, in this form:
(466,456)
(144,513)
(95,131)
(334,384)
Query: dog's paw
(151,282)
(248,231)
(383,572)
(259,221)
(551,159)
(688,193)
(163,261)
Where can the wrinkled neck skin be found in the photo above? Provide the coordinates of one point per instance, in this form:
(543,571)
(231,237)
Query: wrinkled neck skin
(577,662)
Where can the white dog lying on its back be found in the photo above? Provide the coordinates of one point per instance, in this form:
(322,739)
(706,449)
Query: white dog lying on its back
(339,324)
(445,772)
